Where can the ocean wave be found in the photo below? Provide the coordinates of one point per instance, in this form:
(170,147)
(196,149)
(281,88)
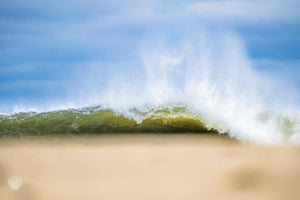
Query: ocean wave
(203,84)
(159,119)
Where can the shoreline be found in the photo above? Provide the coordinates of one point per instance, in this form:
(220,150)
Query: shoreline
(148,167)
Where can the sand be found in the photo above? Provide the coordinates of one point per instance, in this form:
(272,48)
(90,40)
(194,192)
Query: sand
(138,167)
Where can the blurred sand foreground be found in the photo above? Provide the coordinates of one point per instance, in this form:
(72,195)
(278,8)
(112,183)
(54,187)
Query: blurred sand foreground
(133,167)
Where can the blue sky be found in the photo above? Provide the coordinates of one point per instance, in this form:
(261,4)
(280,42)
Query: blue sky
(45,46)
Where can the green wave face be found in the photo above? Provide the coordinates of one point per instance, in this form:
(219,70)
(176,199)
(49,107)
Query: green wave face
(96,120)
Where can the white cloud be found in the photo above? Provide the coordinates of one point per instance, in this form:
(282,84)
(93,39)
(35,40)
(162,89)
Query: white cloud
(244,11)
(158,11)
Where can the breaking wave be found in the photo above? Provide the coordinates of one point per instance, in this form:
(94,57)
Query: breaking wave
(205,84)
(164,119)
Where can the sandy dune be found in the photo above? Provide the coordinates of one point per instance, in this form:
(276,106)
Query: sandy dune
(148,167)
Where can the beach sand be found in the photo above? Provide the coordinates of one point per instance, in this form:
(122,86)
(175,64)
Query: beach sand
(138,167)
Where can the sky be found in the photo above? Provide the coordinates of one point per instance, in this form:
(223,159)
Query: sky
(48,48)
